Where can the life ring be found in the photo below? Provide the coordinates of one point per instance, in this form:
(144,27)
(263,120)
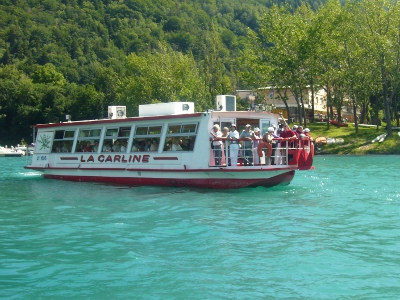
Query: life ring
(262,145)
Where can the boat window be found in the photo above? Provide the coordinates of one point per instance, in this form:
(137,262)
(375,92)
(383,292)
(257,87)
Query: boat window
(147,138)
(141,130)
(69,134)
(116,139)
(59,135)
(63,140)
(265,124)
(183,128)
(155,130)
(88,140)
(89,133)
(189,128)
(148,130)
(125,132)
(145,144)
(174,129)
(61,146)
(180,137)
(179,143)
(84,133)
(112,132)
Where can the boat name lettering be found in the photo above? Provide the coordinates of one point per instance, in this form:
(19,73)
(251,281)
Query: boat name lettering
(41,157)
(117,158)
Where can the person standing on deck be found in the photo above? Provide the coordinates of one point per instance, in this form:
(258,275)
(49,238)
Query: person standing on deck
(308,137)
(269,137)
(225,134)
(256,141)
(287,134)
(247,136)
(234,145)
(216,134)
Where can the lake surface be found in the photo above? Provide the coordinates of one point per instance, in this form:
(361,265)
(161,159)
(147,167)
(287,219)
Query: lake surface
(333,233)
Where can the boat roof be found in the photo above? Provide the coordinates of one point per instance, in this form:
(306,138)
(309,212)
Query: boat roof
(122,120)
(220,114)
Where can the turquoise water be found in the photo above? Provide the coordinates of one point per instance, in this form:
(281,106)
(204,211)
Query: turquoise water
(333,233)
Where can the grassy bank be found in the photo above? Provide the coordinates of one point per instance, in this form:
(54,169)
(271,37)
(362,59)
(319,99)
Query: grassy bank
(355,143)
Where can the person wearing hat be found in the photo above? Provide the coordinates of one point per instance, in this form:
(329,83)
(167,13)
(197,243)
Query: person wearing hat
(269,137)
(247,137)
(256,141)
(308,136)
(289,136)
(225,150)
(233,138)
(298,131)
(215,135)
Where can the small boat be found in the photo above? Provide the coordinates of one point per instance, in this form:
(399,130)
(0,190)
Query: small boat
(10,152)
(168,144)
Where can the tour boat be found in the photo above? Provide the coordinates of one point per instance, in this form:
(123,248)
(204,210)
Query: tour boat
(168,144)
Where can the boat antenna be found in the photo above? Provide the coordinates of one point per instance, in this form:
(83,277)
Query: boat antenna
(284,121)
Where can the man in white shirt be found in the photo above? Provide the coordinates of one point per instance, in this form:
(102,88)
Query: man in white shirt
(216,134)
(175,145)
(233,137)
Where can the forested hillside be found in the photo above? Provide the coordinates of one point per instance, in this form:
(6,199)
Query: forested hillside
(78,57)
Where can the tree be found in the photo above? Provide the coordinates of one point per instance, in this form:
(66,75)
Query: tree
(379,24)
(161,77)
(214,70)
(284,46)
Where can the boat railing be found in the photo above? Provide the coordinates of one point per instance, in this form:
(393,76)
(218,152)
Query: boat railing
(281,152)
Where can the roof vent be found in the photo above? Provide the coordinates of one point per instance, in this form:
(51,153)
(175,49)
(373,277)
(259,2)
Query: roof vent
(117,112)
(170,108)
(226,103)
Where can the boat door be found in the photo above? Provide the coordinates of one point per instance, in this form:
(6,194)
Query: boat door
(264,124)
(226,122)
(223,122)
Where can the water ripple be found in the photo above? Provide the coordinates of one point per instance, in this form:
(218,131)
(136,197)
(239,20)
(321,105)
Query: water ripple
(331,234)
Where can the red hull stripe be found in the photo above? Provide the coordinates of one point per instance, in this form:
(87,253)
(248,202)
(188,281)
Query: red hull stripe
(230,170)
(101,169)
(165,158)
(68,158)
(282,179)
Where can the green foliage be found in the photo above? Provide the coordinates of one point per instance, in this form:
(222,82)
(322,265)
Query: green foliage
(79,57)
(161,77)
(351,50)
(70,57)
(48,74)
